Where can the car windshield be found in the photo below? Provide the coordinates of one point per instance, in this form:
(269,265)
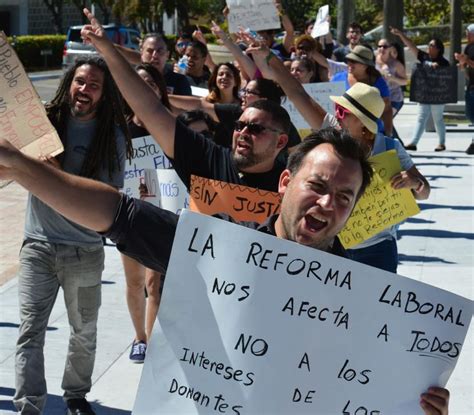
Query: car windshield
(112,33)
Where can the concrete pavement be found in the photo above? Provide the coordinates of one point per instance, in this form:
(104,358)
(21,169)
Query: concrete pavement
(435,247)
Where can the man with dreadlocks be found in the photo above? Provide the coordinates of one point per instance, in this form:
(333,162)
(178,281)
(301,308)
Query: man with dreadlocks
(87,113)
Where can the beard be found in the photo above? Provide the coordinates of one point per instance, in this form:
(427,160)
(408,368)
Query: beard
(243,161)
(88,110)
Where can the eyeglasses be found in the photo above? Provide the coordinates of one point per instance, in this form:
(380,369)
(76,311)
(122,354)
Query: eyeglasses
(252,127)
(383,46)
(341,112)
(250,92)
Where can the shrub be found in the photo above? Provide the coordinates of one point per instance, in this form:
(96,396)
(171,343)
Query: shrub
(29,50)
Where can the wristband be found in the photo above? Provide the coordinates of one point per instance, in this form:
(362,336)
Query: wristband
(269,57)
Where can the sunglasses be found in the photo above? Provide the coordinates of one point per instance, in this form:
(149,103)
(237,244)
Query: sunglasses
(182,44)
(383,46)
(341,112)
(252,127)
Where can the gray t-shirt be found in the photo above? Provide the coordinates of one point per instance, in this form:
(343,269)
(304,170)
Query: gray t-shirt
(45,224)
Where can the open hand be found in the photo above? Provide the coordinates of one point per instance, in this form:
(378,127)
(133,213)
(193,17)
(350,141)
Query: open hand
(435,401)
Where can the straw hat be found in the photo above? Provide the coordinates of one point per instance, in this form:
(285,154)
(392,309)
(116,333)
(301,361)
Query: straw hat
(364,102)
(361,54)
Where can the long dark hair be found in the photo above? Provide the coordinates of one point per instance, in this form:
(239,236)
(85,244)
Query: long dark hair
(158,79)
(103,149)
(214,91)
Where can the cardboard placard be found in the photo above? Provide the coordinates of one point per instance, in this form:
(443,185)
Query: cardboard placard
(320,92)
(321,24)
(23,119)
(434,85)
(253,324)
(242,203)
(252,14)
(380,206)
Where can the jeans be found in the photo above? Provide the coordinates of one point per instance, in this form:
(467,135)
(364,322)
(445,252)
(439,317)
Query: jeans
(469,97)
(424,111)
(44,267)
(383,255)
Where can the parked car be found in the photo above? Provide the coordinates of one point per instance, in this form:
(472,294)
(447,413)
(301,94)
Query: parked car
(74,47)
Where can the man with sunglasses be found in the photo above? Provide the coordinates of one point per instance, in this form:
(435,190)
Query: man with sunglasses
(255,144)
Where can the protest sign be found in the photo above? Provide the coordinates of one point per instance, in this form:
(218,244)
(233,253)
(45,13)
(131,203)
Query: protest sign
(173,193)
(320,92)
(380,206)
(147,154)
(253,324)
(23,119)
(243,203)
(434,85)
(321,25)
(199,92)
(252,14)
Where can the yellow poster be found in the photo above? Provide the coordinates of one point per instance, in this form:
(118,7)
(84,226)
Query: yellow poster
(23,119)
(380,206)
(243,203)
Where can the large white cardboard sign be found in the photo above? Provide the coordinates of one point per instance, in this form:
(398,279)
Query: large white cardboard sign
(23,119)
(320,92)
(252,324)
(252,14)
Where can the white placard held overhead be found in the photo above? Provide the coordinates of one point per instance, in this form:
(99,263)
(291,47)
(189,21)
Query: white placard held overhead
(320,92)
(253,324)
(321,25)
(252,14)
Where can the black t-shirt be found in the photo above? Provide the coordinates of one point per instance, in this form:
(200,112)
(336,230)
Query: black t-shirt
(199,81)
(424,57)
(198,155)
(469,51)
(137,131)
(176,83)
(228,114)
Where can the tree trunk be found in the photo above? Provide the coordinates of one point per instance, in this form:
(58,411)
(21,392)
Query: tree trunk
(56,9)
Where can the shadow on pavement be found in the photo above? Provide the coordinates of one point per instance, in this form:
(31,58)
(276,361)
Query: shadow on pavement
(16,325)
(426,206)
(421,258)
(433,233)
(418,220)
(55,405)
(432,178)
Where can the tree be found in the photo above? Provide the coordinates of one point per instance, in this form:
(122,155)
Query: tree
(56,9)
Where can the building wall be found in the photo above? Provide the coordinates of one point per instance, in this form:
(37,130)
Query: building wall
(40,19)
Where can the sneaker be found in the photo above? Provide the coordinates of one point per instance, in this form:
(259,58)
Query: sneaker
(441,147)
(470,149)
(410,147)
(79,407)
(138,351)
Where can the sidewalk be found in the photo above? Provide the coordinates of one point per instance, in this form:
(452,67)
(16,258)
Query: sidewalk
(435,247)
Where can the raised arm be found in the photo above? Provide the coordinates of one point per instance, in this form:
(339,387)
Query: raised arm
(289,38)
(144,102)
(131,55)
(188,103)
(272,68)
(406,40)
(87,202)
(247,65)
